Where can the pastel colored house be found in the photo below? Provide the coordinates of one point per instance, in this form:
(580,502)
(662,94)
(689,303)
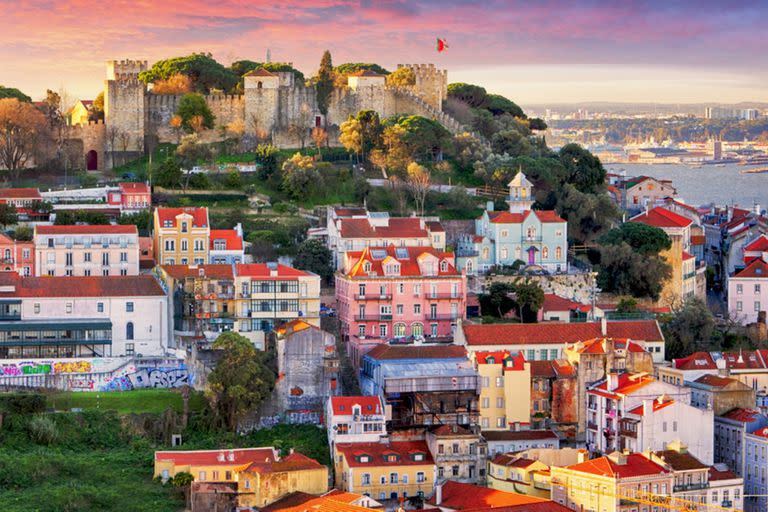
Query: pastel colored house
(227,246)
(17,256)
(80,113)
(459,453)
(181,236)
(505,390)
(86,250)
(26,201)
(748,292)
(644,192)
(354,419)
(533,237)
(134,196)
(528,471)
(403,294)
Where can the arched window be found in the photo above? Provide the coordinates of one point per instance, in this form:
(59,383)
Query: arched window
(443,266)
(558,253)
(531,233)
(7,254)
(399,330)
(485,253)
(417,329)
(469,265)
(259,85)
(545,253)
(129,331)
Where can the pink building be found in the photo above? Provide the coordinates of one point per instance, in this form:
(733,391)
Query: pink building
(748,292)
(18,256)
(26,201)
(401,294)
(134,196)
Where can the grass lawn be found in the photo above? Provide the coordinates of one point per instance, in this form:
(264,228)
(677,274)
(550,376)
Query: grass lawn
(124,402)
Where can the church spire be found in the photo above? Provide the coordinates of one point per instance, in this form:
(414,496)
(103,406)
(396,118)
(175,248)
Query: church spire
(520,193)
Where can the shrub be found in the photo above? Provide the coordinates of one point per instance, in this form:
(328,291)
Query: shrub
(42,430)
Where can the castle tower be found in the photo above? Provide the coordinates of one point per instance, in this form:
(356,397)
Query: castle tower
(124,107)
(520,194)
(262,97)
(431,83)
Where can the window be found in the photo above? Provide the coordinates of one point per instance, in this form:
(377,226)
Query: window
(485,423)
(399,309)
(365,479)
(100,307)
(405,479)
(545,253)
(170,245)
(68,308)
(123,257)
(87,272)
(499,382)
(215,475)
(129,307)
(500,402)
(757,305)
(420,477)
(739,288)
(68,259)
(504,254)
(37,308)
(129,349)
(486,402)
(87,257)
(129,331)
(417,309)
(184,227)
(455,448)
(361,330)
(383,330)
(201,476)
(739,306)
(455,471)
(184,245)
(123,271)
(500,422)
(393,478)
(105,259)
(757,288)
(558,253)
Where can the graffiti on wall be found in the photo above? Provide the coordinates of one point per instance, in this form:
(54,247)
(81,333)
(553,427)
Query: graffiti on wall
(148,378)
(44,368)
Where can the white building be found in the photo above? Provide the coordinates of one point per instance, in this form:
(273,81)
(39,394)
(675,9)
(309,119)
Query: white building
(70,317)
(748,292)
(654,424)
(756,467)
(354,419)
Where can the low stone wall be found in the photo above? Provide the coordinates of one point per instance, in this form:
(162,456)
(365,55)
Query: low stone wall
(576,287)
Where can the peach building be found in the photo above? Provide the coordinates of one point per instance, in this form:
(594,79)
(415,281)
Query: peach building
(18,256)
(402,294)
(181,236)
(99,250)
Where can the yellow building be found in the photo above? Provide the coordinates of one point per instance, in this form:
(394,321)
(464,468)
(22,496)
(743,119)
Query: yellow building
(398,469)
(259,475)
(181,236)
(80,112)
(511,473)
(505,393)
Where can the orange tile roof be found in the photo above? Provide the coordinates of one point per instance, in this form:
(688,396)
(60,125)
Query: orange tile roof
(554,302)
(599,345)
(397,227)
(133,187)
(93,229)
(662,218)
(687,256)
(259,72)
(698,239)
(262,271)
(658,404)
(742,415)
(292,462)
(695,361)
(637,465)
(460,496)
(199,215)
(506,217)
(758,244)
(558,332)
(20,193)
(80,286)
(503,459)
(230,237)
(408,260)
(376,453)
(342,405)
(303,502)
(451,431)
(715,381)
(627,384)
(220,457)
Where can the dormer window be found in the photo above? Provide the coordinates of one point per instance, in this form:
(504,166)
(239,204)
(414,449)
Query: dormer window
(490,360)
(367,266)
(391,457)
(363,458)
(355,409)
(184,227)
(417,457)
(443,266)
(166,224)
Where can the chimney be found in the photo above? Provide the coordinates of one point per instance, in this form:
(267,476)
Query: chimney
(730,213)
(604,326)
(439,494)
(612,381)
(647,407)
(581,456)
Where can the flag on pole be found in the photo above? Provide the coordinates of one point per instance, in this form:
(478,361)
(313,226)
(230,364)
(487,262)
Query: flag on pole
(441,45)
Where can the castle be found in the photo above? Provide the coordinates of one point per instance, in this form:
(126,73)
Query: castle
(273,104)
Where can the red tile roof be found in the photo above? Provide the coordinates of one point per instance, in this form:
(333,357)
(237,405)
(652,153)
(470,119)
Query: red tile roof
(241,456)
(342,405)
(742,415)
(451,431)
(761,432)
(695,361)
(744,360)
(80,286)
(518,218)
(397,227)
(658,404)
(503,459)
(199,215)
(20,193)
(260,72)
(557,333)
(687,256)
(262,271)
(599,345)
(627,384)
(349,212)
(759,244)
(698,239)
(390,352)
(211,271)
(755,270)
(553,302)
(519,435)
(662,218)
(636,465)
(292,462)
(498,356)
(409,261)
(460,496)
(377,452)
(95,229)
(716,381)
(230,237)
(680,460)
(716,474)
(133,187)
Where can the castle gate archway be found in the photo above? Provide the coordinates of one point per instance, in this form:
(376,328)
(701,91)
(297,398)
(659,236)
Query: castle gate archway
(91,160)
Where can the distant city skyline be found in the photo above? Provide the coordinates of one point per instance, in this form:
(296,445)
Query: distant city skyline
(643,51)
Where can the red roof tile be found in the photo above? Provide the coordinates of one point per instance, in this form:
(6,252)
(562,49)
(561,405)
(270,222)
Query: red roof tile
(662,218)
(451,431)
(133,187)
(199,215)
(230,237)
(460,496)
(80,286)
(695,361)
(761,432)
(505,217)
(211,271)
(636,465)
(513,461)
(262,271)
(342,405)
(377,451)
(542,369)
(716,381)
(756,269)
(657,406)
(292,462)
(758,244)
(557,333)
(742,415)
(260,72)
(20,193)
(553,302)
(698,239)
(389,352)
(408,259)
(94,229)
(687,256)
(744,360)
(240,456)
(716,474)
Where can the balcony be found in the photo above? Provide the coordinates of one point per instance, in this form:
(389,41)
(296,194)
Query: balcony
(628,433)
(591,425)
(374,296)
(372,318)
(690,487)
(441,296)
(443,317)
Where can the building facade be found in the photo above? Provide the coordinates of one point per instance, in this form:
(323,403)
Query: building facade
(748,293)
(106,250)
(505,391)
(181,236)
(756,466)
(459,453)
(227,246)
(16,255)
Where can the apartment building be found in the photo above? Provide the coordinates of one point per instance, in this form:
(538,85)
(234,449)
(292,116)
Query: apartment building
(354,419)
(86,250)
(17,256)
(459,453)
(505,390)
(748,293)
(181,236)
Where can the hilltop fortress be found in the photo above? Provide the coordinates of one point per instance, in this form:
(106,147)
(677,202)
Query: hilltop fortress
(273,105)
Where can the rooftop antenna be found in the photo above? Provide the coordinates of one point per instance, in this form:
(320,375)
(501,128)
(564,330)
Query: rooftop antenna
(269,56)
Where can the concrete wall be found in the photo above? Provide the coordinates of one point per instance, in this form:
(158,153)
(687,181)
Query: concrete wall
(300,365)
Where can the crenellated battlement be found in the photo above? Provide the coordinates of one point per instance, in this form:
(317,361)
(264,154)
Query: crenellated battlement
(125,69)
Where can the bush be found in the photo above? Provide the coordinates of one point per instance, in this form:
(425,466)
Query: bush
(42,430)
(23,403)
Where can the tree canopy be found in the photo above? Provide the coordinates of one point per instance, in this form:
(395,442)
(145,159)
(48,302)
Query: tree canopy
(21,128)
(194,112)
(314,256)
(206,73)
(352,67)
(643,238)
(525,296)
(324,82)
(12,92)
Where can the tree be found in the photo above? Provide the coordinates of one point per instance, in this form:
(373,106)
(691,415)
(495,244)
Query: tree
(467,149)
(20,128)
(690,329)
(537,124)
(641,237)
(422,137)
(498,301)
(402,77)
(362,133)
(174,84)
(205,72)
(97,109)
(12,92)
(300,177)
(351,135)
(529,297)
(511,142)
(498,105)
(8,215)
(472,95)
(324,82)
(241,67)
(583,169)
(190,152)
(183,480)
(266,159)
(23,234)
(168,174)
(314,256)
(419,181)
(240,380)
(194,112)
(623,270)
(319,138)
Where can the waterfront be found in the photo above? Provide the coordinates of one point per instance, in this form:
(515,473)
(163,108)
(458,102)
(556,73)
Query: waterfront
(708,183)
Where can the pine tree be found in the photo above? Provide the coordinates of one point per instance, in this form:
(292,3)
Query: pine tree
(324,82)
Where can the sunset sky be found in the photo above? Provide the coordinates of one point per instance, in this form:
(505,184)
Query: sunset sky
(532,52)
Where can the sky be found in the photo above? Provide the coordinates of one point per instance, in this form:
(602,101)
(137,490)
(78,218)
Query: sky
(541,52)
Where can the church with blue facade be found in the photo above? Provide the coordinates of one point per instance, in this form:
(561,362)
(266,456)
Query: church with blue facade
(537,238)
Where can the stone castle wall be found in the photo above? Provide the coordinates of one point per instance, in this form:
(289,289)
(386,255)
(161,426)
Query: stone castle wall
(160,108)
(92,138)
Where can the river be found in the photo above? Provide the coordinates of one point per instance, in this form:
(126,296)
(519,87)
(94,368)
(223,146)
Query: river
(706,184)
